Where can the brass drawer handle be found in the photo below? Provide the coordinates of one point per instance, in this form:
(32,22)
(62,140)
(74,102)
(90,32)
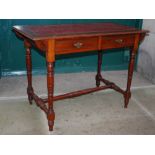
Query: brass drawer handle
(119,41)
(78,45)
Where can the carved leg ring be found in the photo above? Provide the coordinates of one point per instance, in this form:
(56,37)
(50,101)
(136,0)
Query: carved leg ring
(50,87)
(98,76)
(29,72)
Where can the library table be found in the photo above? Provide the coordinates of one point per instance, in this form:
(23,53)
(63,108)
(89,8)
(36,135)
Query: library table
(74,38)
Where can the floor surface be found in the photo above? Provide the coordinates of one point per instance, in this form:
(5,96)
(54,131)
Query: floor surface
(97,113)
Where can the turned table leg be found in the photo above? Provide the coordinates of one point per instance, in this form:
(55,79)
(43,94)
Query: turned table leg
(127,94)
(29,71)
(50,88)
(50,58)
(98,76)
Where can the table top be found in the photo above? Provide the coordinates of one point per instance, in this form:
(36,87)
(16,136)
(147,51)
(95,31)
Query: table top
(40,32)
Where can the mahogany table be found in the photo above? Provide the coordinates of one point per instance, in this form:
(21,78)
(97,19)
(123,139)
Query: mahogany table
(73,38)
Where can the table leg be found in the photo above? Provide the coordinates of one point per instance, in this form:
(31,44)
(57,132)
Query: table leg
(50,88)
(98,76)
(133,51)
(29,71)
(127,94)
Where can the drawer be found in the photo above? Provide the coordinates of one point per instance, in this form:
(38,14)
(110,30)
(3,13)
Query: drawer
(118,41)
(72,45)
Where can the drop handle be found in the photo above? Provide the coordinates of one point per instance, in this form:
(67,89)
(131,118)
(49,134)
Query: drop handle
(78,45)
(119,41)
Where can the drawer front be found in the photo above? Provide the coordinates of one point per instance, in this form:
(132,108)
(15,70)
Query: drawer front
(109,42)
(72,45)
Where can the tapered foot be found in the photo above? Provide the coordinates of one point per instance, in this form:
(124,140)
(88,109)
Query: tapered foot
(126,103)
(127,97)
(29,93)
(51,117)
(50,124)
(97,80)
(30,99)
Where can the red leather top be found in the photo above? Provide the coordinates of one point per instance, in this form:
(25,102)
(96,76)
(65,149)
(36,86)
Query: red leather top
(38,32)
